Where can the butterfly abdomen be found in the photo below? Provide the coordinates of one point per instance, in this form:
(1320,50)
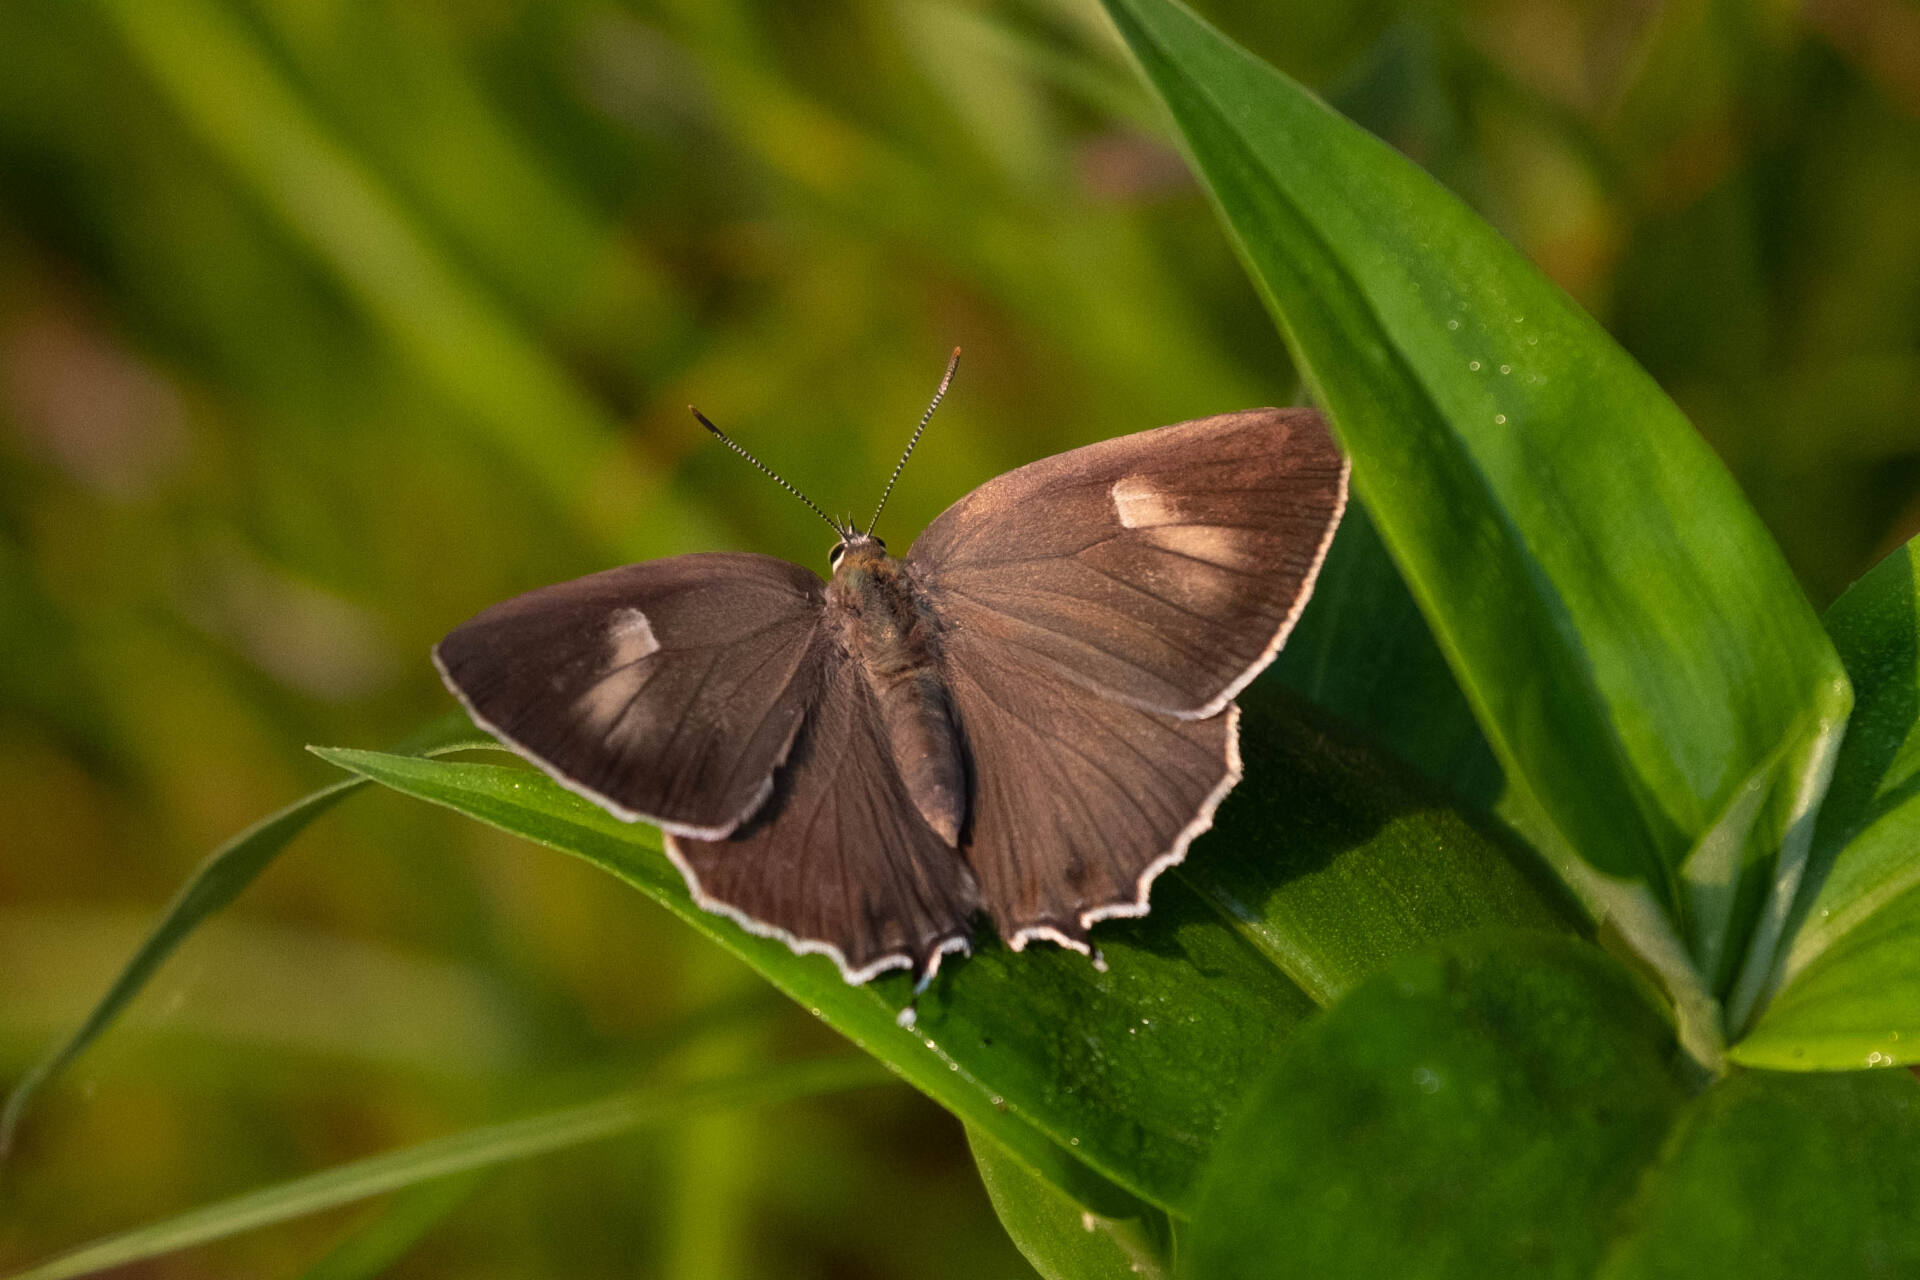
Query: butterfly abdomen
(892,639)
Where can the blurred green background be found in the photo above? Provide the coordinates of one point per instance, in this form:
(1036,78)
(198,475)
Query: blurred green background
(325,323)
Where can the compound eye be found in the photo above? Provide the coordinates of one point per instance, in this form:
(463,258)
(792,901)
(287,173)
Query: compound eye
(880,544)
(833,556)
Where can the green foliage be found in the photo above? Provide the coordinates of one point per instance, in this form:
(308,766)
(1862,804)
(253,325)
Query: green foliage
(1508,1106)
(514,396)
(458,1154)
(1133,1071)
(373,1249)
(1396,685)
(1849,986)
(1482,1109)
(1558,686)
(1782,1175)
(214,884)
(1674,723)
(1061,1236)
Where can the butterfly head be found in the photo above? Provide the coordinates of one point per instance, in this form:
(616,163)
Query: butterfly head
(856,550)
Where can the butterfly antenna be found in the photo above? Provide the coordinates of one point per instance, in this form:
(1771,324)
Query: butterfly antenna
(727,440)
(925,418)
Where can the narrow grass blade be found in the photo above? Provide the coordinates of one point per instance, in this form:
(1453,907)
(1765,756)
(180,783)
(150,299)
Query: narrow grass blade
(217,881)
(373,1247)
(460,1153)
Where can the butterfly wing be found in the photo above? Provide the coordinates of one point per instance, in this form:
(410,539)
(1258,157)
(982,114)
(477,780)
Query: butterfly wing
(1079,801)
(1098,611)
(669,691)
(1163,569)
(839,860)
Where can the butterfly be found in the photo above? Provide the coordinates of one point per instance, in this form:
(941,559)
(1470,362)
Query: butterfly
(1029,716)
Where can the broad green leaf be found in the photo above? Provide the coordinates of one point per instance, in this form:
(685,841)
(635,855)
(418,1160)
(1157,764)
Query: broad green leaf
(460,1153)
(1783,1175)
(217,881)
(1323,865)
(1854,1004)
(1482,1109)
(1363,651)
(1849,982)
(1038,1050)
(1062,1238)
(1656,689)
(1373,864)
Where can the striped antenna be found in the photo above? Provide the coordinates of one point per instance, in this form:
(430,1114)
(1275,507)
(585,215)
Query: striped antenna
(926,417)
(727,440)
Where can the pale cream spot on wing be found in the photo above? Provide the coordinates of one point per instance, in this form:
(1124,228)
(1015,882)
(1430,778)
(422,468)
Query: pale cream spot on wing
(630,640)
(1157,515)
(1211,543)
(632,637)
(1140,505)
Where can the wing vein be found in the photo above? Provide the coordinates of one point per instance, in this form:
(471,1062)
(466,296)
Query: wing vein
(1081,641)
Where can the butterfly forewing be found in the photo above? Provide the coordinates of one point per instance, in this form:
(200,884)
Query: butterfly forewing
(1163,568)
(669,691)
(839,859)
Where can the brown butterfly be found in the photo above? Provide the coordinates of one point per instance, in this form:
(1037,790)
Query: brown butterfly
(1029,714)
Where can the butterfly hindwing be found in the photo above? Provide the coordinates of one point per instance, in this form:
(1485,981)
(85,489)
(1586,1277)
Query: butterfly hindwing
(839,860)
(1078,801)
(669,691)
(1163,569)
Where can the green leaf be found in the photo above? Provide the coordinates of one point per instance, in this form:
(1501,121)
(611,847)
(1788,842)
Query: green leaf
(1063,1239)
(1854,1004)
(1658,692)
(1479,1110)
(1363,651)
(1326,866)
(1373,864)
(1784,1175)
(1849,984)
(217,881)
(1040,1050)
(460,1153)
(373,1247)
